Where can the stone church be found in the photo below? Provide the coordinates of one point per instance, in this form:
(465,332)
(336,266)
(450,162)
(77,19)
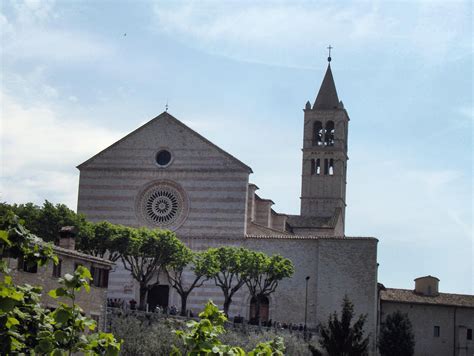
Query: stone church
(166,175)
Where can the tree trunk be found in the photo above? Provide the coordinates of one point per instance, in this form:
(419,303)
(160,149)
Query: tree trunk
(227,302)
(143,295)
(184,301)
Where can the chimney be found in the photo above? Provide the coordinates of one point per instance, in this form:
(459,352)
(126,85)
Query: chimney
(427,285)
(67,237)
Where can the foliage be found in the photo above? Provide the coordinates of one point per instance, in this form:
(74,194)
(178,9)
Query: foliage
(262,274)
(69,324)
(339,338)
(147,253)
(25,326)
(249,338)
(274,347)
(47,220)
(106,240)
(227,270)
(154,336)
(202,266)
(396,336)
(142,337)
(202,338)
(17,242)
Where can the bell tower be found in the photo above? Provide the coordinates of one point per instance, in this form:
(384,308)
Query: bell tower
(323,188)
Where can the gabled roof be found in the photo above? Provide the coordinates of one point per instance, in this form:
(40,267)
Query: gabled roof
(409,296)
(163,115)
(327,96)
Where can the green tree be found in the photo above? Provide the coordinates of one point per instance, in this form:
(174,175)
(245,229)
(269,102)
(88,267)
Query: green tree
(46,221)
(396,336)
(146,254)
(340,338)
(105,240)
(263,273)
(25,326)
(202,266)
(227,270)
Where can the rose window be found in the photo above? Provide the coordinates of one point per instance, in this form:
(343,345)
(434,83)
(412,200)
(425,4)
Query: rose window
(162,204)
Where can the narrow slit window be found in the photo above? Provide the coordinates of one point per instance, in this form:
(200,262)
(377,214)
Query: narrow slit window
(326,166)
(436,331)
(331,167)
(469,334)
(313,167)
(318,167)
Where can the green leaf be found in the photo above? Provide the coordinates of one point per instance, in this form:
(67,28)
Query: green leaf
(61,315)
(4,237)
(11,321)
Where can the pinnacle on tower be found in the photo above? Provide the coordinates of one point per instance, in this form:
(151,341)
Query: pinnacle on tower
(327,98)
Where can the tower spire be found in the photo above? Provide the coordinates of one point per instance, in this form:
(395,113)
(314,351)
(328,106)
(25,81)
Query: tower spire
(327,98)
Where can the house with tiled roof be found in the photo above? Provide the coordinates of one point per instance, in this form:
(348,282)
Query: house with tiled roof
(442,322)
(94,303)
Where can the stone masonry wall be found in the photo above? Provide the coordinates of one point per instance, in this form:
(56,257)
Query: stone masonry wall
(453,329)
(93,303)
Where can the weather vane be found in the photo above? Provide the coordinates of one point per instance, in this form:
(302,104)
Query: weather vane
(166,106)
(329,48)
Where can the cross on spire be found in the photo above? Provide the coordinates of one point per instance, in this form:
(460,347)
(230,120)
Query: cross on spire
(166,106)
(329,49)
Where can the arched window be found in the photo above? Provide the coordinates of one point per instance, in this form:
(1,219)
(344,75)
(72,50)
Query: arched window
(317,133)
(329,134)
(264,309)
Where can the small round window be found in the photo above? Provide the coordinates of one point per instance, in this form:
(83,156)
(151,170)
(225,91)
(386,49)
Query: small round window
(163,158)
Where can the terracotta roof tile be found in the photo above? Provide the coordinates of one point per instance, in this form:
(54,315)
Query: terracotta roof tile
(409,296)
(301,237)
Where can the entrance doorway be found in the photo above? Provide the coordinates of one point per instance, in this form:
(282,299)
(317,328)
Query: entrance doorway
(264,309)
(158,295)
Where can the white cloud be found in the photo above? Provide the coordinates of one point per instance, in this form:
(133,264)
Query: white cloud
(28,11)
(290,33)
(40,149)
(401,202)
(53,45)
(32,33)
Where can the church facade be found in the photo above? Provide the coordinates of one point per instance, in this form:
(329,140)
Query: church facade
(165,175)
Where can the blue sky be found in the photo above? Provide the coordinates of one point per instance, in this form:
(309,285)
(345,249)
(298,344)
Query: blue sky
(76,76)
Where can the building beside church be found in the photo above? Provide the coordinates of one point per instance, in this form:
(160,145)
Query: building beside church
(165,175)
(442,322)
(94,303)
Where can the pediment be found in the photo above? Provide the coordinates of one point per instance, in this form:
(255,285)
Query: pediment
(189,150)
